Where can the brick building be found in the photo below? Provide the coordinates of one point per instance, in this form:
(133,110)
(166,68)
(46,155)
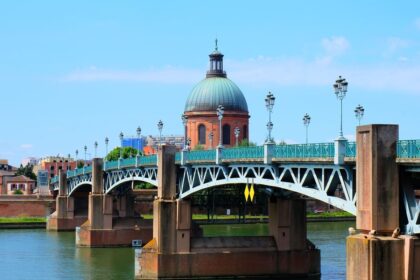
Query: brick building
(200,108)
(53,164)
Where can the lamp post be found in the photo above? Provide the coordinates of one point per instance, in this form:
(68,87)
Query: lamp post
(96,147)
(211,135)
(77,152)
(106,147)
(68,161)
(340,90)
(121,144)
(220,112)
(269,104)
(236,131)
(85,148)
(185,122)
(138,130)
(160,126)
(306,122)
(359,112)
(188,143)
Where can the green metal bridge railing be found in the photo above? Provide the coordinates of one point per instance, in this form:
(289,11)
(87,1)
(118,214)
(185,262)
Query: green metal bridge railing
(406,149)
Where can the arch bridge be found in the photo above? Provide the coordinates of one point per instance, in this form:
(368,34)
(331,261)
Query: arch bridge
(322,171)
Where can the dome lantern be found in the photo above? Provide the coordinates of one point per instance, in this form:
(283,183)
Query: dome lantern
(216,64)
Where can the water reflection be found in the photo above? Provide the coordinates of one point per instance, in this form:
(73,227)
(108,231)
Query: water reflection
(37,254)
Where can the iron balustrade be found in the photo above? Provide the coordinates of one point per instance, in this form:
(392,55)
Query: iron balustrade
(318,150)
(148,160)
(351,149)
(128,162)
(405,149)
(256,152)
(111,164)
(204,155)
(408,149)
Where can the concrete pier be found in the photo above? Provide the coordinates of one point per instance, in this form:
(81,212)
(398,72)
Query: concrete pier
(378,251)
(64,219)
(175,252)
(103,229)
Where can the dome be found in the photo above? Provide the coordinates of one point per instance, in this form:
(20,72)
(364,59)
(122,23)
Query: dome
(214,91)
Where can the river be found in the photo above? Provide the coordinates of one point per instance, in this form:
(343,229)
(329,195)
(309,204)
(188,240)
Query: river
(37,254)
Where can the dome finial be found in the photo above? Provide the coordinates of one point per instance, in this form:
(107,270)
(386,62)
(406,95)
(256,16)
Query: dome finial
(216,48)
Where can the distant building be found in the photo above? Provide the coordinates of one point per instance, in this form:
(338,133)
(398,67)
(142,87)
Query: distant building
(53,164)
(134,142)
(20,183)
(4,174)
(29,160)
(201,108)
(4,165)
(152,142)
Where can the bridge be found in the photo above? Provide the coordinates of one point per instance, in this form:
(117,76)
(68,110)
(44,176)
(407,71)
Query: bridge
(307,169)
(314,170)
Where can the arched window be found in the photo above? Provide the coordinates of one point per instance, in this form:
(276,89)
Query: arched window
(202,134)
(226,134)
(245,132)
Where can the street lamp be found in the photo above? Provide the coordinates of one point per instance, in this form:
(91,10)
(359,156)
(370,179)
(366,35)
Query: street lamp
(121,144)
(236,131)
(106,147)
(220,112)
(306,122)
(96,147)
(160,126)
(68,161)
(85,148)
(188,143)
(340,90)
(359,112)
(77,152)
(185,122)
(269,104)
(211,134)
(138,130)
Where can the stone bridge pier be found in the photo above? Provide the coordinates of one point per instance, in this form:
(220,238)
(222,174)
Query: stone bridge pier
(378,251)
(178,251)
(64,218)
(111,220)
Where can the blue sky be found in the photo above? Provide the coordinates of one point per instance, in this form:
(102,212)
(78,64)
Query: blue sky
(73,73)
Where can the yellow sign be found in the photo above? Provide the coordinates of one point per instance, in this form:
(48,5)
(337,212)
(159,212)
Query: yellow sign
(246,192)
(251,193)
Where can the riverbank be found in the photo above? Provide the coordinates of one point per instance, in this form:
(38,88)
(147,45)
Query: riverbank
(40,222)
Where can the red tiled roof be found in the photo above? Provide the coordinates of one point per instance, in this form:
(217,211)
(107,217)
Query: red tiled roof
(20,178)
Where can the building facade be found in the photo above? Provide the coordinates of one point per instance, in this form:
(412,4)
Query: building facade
(203,126)
(20,185)
(53,164)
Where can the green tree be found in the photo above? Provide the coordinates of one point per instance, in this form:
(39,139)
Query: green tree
(246,143)
(126,153)
(26,171)
(198,147)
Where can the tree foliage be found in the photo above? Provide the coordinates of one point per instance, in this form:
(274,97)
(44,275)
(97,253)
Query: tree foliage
(246,143)
(126,153)
(26,171)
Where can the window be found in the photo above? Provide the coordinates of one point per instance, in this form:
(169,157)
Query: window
(13,187)
(226,134)
(202,134)
(245,132)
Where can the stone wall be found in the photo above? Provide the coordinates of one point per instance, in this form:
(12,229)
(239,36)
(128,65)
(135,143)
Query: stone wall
(13,206)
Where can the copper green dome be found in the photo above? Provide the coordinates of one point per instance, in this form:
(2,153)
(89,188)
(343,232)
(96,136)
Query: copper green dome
(216,90)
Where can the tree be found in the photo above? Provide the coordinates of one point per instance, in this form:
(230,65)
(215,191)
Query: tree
(126,153)
(246,143)
(26,171)
(198,147)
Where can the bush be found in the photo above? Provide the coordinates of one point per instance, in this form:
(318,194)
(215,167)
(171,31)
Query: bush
(17,192)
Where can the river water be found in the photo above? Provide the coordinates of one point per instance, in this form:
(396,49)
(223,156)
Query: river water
(38,254)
